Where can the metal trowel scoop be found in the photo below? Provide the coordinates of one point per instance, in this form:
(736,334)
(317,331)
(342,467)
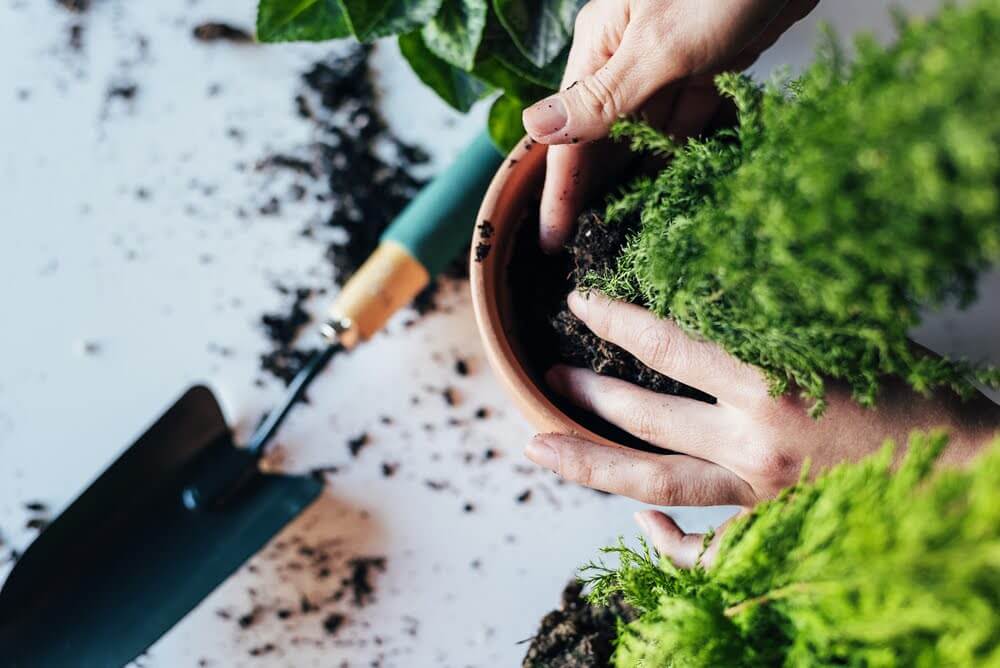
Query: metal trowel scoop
(183,507)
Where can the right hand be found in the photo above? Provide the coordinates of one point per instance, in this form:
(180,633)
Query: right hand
(654,57)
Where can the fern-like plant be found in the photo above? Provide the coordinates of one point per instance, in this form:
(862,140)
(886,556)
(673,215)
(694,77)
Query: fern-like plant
(864,566)
(809,239)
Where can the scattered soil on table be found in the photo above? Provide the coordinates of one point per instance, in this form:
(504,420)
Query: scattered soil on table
(362,173)
(578,634)
(549,332)
(78,6)
(284,359)
(330,582)
(213,31)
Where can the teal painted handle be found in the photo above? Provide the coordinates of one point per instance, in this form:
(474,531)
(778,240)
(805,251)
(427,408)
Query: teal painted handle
(437,224)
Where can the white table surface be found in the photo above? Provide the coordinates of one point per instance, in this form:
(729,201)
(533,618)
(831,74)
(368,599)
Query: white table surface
(155,285)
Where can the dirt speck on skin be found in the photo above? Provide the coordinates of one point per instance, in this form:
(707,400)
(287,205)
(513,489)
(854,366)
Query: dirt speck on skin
(214,31)
(578,634)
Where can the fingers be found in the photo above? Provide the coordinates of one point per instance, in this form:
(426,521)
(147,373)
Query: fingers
(566,173)
(611,72)
(682,549)
(668,480)
(674,423)
(661,345)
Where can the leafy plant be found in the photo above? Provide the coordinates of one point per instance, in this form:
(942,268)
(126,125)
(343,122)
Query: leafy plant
(861,567)
(809,239)
(464,50)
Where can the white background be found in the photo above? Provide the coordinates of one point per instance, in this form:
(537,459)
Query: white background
(156,285)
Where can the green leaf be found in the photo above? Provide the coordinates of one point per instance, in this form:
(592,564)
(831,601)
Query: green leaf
(495,72)
(505,123)
(541,29)
(301,20)
(371,19)
(458,88)
(496,42)
(456,30)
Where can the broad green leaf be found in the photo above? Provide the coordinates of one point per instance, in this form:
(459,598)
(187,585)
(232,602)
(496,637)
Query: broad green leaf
(456,30)
(371,19)
(301,20)
(497,42)
(541,29)
(456,87)
(495,72)
(505,123)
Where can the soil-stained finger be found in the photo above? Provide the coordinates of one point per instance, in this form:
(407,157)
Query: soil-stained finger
(661,345)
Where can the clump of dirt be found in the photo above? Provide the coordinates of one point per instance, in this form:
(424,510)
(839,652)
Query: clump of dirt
(578,634)
(78,6)
(215,31)
(284,360)
(358,168)
(549,332)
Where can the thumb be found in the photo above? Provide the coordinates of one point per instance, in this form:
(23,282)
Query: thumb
(586,109)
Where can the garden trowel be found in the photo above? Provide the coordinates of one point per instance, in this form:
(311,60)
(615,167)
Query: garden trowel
(184,506)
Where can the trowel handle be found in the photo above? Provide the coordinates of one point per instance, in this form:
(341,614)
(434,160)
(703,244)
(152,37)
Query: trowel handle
(423,239)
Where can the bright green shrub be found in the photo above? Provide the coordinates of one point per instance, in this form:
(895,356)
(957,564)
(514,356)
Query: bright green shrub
(861,567)
(807,240)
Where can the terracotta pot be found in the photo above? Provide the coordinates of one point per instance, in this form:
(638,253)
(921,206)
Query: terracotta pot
(515,189)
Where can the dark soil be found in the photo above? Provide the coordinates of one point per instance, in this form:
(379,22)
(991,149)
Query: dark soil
(578,634)
(549,332)
(357,167)
(213,31)
(284,359)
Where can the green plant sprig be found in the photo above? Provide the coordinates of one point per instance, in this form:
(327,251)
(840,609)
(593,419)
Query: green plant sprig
(810,239)
(464,50)
(863,566)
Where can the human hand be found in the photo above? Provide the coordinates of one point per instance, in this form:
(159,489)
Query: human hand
(744,448)
(654,57)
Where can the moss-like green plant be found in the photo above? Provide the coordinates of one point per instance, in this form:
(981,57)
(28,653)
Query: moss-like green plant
(808,239)
(861,567)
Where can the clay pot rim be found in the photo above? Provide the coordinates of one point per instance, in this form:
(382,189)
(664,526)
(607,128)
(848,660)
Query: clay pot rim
(515,186)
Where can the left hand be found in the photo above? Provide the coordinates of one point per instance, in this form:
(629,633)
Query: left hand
(744,448)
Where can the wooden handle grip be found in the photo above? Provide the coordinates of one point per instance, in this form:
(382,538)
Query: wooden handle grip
(388,280)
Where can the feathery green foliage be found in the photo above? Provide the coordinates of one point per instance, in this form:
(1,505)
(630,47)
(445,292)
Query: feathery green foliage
(863,566)
(808,239)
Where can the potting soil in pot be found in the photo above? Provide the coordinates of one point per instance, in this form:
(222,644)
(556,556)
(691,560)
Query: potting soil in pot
(549,332)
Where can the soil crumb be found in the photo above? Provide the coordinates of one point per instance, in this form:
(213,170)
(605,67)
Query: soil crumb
(78,6)
(578,634)
(284,359)
(213,31)
(355,444)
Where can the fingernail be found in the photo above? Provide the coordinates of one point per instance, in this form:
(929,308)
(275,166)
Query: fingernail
(542,454)
(545,117)
(643,521)
(577,302)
